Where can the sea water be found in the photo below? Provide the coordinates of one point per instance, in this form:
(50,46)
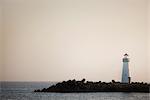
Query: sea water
(24,91)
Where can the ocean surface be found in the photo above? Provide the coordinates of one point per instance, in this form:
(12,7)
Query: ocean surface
(24,91)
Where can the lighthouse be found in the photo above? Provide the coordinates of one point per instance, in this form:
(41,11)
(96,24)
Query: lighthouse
(125,71)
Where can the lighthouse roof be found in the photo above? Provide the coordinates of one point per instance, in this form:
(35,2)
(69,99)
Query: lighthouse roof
(126,54)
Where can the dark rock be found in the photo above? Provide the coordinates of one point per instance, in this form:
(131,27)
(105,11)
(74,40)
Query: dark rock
(71,86)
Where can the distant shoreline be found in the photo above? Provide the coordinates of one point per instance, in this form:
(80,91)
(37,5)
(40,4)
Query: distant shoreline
(73,86)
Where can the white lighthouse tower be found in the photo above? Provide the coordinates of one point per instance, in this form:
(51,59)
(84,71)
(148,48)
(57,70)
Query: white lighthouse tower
(125,71)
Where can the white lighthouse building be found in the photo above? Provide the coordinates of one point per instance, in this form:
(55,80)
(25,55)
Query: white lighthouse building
(125,71)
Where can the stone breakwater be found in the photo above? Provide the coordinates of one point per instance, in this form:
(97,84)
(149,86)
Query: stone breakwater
(72,86)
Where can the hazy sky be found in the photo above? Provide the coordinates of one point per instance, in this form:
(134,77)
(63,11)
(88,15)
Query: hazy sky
(149,38)
(55,40)
(0,41)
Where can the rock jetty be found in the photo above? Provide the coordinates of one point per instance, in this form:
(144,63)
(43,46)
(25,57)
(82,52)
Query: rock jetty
(72,86)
